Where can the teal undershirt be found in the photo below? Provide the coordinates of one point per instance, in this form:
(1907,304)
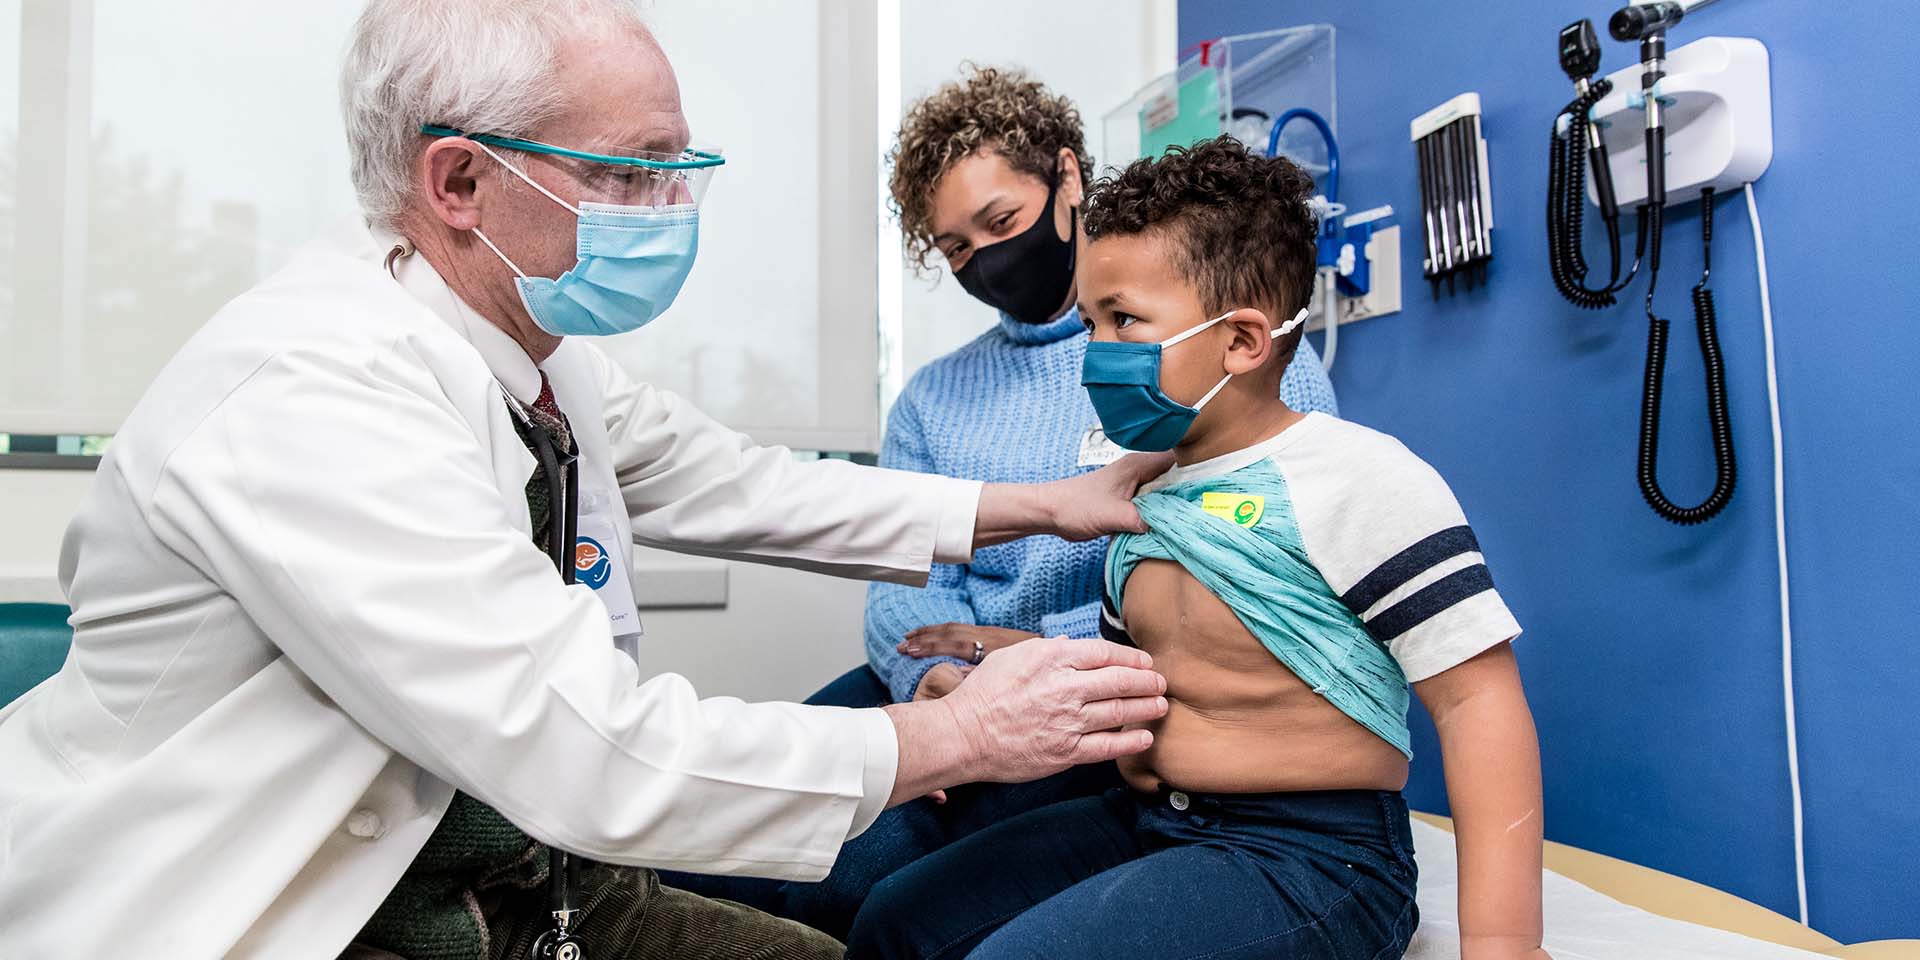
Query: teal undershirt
(1262,573)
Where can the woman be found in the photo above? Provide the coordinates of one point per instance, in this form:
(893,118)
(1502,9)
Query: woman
(988,174)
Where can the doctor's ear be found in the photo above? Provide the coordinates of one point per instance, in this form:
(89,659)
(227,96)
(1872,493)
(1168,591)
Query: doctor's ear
(1252,344)
(449,172)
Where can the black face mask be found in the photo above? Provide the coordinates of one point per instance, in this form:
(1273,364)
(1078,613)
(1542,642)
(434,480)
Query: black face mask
(1025,275)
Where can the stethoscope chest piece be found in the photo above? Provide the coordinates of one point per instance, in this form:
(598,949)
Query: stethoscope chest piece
(557,945)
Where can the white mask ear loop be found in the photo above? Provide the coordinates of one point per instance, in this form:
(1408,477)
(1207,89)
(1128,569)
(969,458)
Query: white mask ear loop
(496,252)
(530,182)
(1193,330)
(1278,332)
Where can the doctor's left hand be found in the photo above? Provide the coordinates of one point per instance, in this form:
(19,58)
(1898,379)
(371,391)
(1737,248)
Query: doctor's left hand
(1096,504)
(1085,507)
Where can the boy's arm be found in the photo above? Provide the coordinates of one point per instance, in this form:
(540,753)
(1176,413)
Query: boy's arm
(1492,762)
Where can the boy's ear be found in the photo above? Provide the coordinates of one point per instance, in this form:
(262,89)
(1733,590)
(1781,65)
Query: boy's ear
(1252,344)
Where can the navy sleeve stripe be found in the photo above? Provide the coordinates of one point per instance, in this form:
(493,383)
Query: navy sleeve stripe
(1429,601)
(1111,628)
(1407,564)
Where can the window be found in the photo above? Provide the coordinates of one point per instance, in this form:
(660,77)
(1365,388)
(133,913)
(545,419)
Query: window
(154,164)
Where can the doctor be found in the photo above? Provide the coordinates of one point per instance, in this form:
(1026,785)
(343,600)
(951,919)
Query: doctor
(315,624)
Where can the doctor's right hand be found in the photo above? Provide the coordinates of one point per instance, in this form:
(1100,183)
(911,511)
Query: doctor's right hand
(1039,707)
(1029,711)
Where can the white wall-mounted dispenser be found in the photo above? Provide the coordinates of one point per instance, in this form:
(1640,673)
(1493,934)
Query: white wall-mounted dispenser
(1719,116)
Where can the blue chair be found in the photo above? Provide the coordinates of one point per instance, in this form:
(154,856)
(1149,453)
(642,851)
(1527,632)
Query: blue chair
(34,638)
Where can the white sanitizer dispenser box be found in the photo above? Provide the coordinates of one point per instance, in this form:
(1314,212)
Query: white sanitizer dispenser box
(1718,105)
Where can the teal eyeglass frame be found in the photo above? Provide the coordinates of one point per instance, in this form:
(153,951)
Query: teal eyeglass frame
(701,159)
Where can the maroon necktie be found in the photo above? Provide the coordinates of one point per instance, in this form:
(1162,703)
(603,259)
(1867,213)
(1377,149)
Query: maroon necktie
(545,414)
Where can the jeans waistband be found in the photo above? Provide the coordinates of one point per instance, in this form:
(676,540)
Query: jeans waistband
(1319,807)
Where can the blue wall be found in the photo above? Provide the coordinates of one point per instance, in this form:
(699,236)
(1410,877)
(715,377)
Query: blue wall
(1652,651)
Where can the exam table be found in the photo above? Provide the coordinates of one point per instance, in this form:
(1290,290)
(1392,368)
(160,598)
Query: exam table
(1597,907)
(1600,908)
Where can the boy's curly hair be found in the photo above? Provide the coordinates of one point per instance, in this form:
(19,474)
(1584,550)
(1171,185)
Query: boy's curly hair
(1004,110)
(1238,224)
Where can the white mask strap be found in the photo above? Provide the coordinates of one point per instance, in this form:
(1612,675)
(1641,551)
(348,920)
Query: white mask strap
(1288,327)
(530,181)
(1222,385)
(1196,328)
(1278,332)
(496,252)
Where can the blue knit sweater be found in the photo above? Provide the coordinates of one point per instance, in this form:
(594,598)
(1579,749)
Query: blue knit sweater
(1009,408)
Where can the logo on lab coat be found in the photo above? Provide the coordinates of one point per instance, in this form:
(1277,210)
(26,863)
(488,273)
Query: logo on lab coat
(591,564)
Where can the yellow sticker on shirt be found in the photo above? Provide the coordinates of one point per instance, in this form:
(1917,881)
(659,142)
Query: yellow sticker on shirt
(1244,509)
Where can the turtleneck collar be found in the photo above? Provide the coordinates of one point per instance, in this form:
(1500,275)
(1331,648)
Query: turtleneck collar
(1035,334)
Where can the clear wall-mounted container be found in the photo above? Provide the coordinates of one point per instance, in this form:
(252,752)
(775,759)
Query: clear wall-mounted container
(1239,85)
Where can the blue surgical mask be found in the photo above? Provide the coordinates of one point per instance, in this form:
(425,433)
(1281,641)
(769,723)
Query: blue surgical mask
(1123,381)
(632,263)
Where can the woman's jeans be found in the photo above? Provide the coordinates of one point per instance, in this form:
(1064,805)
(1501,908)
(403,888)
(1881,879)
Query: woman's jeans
(1168,876)
(900,835)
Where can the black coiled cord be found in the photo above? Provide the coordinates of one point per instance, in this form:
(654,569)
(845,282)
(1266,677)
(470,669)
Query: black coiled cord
(1566,210)
(1719,420)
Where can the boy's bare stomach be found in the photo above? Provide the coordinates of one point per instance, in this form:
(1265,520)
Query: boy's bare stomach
(1238,721)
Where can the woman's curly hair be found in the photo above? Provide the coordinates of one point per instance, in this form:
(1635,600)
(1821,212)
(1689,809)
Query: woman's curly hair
(1004,110)
(1238,224)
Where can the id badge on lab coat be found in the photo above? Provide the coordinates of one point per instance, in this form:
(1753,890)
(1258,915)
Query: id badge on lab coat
(598,563)
(1096,450)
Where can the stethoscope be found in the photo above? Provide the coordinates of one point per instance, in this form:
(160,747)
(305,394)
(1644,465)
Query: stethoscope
(561,469)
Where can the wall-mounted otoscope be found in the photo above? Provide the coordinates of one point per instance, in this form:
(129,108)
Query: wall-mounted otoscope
(1573,132)
(1636,21)
(1577,142)
(1648,23)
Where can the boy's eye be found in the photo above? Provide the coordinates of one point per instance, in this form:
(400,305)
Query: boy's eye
(1121,321)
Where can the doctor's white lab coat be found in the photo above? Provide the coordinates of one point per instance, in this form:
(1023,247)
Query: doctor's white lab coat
(308,608)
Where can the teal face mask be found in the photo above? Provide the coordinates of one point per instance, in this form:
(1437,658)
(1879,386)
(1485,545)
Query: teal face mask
(632,259)
(1123,381)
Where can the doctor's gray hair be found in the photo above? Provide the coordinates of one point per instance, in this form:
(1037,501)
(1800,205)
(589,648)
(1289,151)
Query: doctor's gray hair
(485,66)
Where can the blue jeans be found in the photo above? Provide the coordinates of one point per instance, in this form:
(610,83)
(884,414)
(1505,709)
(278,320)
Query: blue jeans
(1169,876)
(899,837)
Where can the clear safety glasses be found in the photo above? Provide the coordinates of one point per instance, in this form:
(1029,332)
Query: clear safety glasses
(638,179)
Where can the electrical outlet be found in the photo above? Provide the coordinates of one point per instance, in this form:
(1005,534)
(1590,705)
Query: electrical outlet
(1383,294)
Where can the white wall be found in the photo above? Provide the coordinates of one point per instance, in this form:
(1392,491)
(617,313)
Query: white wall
(783,635)
(34,508)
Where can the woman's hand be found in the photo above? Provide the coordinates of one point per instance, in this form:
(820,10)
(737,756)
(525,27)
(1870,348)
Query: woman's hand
(940,681)
(957,639)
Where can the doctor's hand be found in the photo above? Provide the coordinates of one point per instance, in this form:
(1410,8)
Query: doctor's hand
(1030,711)
(1085,507)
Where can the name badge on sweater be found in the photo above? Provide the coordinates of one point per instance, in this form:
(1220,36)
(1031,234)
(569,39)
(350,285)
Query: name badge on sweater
(1096,450)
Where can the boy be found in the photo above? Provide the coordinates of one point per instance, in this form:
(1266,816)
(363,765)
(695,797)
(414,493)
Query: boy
(1300,573)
